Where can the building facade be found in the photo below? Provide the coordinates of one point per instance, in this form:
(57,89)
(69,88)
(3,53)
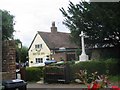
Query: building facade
(51,45)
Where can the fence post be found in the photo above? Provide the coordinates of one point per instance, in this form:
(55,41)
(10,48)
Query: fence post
(23,73)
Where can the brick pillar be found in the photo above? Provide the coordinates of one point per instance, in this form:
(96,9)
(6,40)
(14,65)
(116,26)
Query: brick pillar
(9,60)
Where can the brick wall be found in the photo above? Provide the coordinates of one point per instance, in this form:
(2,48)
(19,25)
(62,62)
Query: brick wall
(58,56)
(8,60)
(66,56)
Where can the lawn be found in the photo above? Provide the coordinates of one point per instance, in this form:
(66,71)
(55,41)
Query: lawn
(115,80)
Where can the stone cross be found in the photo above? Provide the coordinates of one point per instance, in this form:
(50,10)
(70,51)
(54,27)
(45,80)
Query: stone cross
(83,56)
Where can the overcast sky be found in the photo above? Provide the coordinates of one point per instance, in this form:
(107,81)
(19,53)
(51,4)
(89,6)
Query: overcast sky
(35,15)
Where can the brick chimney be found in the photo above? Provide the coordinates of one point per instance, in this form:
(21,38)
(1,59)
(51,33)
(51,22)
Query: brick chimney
(53,28)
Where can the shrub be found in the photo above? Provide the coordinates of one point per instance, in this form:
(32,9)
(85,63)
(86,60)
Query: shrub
(112,67)
(91,66)
(34,73)
(109,67)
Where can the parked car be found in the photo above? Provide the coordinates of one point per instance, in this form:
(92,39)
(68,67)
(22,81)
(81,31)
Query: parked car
(50,62)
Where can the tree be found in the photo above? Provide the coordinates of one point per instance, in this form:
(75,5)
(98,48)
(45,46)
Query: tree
(100,21)
(24,54)
(21,53)
(18,50)
(7,25)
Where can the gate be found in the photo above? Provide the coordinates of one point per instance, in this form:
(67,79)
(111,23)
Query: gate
(53,74)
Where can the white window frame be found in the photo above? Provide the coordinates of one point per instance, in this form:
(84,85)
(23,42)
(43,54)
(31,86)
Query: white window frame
(39,60)
(38,46)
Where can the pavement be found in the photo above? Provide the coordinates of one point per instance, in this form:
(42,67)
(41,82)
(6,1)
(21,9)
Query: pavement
(39,85)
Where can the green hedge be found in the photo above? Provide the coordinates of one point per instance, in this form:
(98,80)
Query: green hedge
(34,73)
(109,67)
(91,66)
(112,66)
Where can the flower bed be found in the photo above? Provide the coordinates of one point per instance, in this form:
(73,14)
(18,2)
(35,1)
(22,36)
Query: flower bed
(94,81)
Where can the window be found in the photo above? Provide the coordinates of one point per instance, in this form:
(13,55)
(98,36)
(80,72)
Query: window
(39,60)
(38,46)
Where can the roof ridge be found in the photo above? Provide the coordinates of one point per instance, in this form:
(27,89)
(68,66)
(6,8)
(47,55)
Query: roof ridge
(43,32)
(51,32)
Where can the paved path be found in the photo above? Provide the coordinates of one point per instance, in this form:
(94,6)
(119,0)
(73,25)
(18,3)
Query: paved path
(40,85)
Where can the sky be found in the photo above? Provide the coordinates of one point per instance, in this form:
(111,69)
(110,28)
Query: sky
(35,15)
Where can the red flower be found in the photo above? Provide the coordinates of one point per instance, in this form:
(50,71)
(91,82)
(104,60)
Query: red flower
(88,87)
(95,86)
(115,88)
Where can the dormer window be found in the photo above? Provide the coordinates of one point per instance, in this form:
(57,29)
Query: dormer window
(38,46)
